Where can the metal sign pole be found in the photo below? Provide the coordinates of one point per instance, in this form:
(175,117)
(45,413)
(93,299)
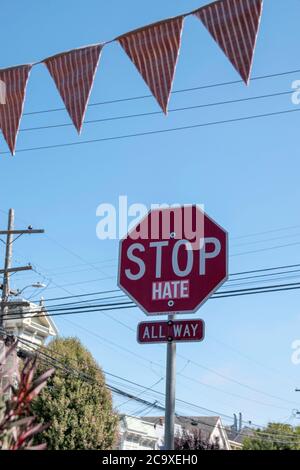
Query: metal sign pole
(153,291)
(170,393)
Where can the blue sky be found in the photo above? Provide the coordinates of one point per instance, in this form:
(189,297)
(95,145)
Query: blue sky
(246,174)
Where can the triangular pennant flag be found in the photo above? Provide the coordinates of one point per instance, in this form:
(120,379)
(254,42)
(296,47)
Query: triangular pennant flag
(13,83)
(73,73)
(154,51)
(234,25)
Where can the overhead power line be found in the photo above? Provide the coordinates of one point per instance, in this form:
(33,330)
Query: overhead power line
(33,345)
(287,245)
(82,375)
(155,113)
(274,268)
(57,269)
(90,302)
(269,275)
(59,307)
(148,360)
(106,264)
(129,304)
(233,394)
(267,291)
(101,339)
(79,295)
(97,280)
(53,362)
(94,267)
(158,131)
(271,278)
(174,92)
(274,286)
(241,273)
(151,362)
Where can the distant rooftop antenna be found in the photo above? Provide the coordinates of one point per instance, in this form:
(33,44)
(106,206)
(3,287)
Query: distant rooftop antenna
(240,422)
(235,422)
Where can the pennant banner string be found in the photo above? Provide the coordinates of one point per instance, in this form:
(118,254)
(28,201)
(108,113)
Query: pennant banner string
(153,49)
(104,43)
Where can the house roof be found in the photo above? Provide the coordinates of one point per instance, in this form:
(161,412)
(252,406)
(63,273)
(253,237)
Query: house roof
(138,425)
(205,424)
(240,435)
(33,313)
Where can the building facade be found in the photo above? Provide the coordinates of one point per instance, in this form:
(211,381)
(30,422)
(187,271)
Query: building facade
(30,322)
(136,434)
(147,433)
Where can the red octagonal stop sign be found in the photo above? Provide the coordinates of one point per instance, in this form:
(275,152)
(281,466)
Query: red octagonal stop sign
(173,260)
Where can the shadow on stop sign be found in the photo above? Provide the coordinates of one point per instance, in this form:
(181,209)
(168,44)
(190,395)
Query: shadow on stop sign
(166,268)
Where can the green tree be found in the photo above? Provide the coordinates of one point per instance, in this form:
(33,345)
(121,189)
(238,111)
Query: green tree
(275,436)
(76,402)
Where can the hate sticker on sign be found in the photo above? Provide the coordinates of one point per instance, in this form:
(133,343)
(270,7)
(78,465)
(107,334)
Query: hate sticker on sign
(170,290)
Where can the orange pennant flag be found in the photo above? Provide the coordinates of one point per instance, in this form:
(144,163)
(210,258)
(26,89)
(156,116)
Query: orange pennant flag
(154,51)
(234,26)
(73,73)
(13,82)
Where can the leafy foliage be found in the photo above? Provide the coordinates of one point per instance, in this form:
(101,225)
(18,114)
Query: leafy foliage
(77,402)
(193,441)
(17,424)
(275,436)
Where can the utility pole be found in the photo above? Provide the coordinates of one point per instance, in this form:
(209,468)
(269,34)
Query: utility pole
(7,264)
(170,392)
(9,367)
(297,412)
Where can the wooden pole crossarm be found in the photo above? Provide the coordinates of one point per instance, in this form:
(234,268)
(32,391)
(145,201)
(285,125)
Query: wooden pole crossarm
(14,270)
(20,232)
(15,304)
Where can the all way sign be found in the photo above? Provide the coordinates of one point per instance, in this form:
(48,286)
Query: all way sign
(169,331)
